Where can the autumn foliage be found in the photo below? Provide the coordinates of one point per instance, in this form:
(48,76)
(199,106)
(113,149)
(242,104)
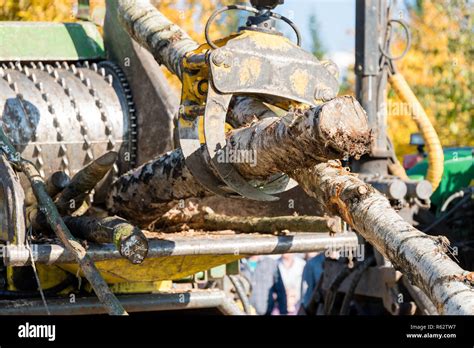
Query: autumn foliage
(440,71)
(438,66)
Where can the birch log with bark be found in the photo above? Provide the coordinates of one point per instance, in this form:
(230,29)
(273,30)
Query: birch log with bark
(300,139)
(166,41)
(422,258)
(204,218)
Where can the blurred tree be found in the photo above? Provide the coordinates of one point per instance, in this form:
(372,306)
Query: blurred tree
(192,15)
(42,10)
(36,10)
(317,47)
(439,69)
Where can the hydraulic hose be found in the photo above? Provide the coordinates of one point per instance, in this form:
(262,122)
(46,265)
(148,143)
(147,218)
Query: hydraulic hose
(433,145)
(361,268)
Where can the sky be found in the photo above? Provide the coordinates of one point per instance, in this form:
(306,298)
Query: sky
(336,23)
(336,20)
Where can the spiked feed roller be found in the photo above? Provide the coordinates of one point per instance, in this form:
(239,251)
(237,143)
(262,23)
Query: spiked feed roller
(62,116)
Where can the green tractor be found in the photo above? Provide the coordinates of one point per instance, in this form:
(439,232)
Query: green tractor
(452,204)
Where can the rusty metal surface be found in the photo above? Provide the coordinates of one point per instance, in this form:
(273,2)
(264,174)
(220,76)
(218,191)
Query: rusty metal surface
(374,282)
(61,116)
(178,245)
(271,65)
(194,299)
(155,100)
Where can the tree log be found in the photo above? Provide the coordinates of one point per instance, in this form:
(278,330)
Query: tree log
(422,258)
(72,197)
(101,289)
(300,139)
(332,130)
(205,219)
(57,182)
(129,240)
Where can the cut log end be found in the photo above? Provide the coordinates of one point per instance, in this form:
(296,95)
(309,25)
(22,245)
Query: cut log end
(134,247)
(57,182)
(343,124)
(107,160)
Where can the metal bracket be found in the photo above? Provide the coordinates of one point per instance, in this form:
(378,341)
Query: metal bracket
(194,155)
(266,66)
(214,120)
(273,66)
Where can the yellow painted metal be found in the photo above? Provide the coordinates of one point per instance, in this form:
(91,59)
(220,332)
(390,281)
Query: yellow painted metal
(141,287)
(157,273)
(49,276)
(156,269)
(195,75)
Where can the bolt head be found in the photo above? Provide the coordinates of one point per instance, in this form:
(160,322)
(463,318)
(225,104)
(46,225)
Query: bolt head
(218,58)
(327,95)
(331,67)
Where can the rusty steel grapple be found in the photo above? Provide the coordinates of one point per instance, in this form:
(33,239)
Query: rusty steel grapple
(259,62)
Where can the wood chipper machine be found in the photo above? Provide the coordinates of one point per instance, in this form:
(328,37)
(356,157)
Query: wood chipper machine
(108,178)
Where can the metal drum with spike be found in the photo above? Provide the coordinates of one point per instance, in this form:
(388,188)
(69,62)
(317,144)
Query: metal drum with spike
(61,116)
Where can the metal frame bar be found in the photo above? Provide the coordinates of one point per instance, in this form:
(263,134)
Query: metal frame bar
(370,25)
(179,245)
(194,299)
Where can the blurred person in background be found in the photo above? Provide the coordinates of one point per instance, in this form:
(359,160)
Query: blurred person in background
(290,269)
(313,270)
(267,290)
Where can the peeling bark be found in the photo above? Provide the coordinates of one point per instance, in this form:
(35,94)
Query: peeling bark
(165,40)
(422,258)
(205,219)
(302,138)
(299,139)
(245,110)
